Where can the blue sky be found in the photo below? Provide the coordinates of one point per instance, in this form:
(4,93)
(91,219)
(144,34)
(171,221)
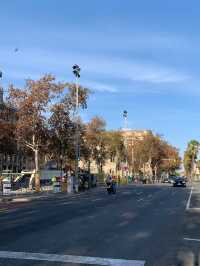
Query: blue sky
(142,56)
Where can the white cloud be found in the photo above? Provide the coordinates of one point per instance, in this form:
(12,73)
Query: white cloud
(135,71)
(34,62)
(102,87)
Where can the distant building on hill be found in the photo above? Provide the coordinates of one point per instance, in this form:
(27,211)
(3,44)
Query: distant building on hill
(129,136)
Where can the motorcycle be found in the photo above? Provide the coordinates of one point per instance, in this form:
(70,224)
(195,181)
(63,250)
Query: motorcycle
(111,188)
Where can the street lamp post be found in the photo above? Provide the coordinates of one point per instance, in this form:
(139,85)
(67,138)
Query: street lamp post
(76,72)
(125,116)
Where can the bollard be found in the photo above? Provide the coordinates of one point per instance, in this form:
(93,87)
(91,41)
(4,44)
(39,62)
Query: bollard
(70,184)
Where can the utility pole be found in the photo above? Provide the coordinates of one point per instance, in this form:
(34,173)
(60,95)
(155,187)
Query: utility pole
(76,72)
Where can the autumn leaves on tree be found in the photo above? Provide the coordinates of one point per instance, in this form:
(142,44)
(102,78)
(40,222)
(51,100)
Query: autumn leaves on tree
(43,111)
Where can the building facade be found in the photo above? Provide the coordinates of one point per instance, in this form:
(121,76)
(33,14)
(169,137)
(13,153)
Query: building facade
(112,167)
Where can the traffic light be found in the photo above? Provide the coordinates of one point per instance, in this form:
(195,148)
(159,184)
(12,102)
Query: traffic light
(125,113)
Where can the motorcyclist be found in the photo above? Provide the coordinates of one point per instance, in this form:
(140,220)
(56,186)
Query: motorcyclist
(111,184)
(109,180)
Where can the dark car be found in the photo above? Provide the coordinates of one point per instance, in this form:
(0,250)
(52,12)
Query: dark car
(179,182)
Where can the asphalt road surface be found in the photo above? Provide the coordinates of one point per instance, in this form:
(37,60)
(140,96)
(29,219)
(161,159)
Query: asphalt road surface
(151,225)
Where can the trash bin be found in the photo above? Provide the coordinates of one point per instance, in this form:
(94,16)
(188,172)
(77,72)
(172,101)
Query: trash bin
(6,186)
(57,187)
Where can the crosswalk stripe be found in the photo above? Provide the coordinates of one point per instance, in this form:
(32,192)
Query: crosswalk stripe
(3,209)
(69,258)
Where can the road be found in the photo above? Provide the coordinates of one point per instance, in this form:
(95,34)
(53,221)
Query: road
(141,225)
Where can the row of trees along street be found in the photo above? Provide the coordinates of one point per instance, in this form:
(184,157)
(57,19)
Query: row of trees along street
(153,156)
(44,127)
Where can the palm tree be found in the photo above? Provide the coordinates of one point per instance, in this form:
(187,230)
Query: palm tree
(191,156)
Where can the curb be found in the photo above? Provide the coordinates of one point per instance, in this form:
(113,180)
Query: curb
(3,200)
(36,196)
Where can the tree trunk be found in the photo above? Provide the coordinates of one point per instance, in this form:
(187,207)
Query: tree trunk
(156,172)
(37,177)
(89,166)
(143,169)
(192,169)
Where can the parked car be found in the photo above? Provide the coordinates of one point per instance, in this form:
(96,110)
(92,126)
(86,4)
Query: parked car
(179,182)
(165,180)
(169,179)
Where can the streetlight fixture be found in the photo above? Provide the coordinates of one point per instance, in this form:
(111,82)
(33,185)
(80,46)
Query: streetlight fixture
(125,116)
(76,71)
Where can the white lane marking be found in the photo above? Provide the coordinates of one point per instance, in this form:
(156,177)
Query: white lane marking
(21,200)
(191,239)
(139,193)
(126,193)
(189,199)
(150,196)
(194,209)
(140,199)
(69,258)
(96,200)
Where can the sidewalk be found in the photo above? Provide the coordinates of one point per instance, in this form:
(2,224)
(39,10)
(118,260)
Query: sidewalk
(32,195)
